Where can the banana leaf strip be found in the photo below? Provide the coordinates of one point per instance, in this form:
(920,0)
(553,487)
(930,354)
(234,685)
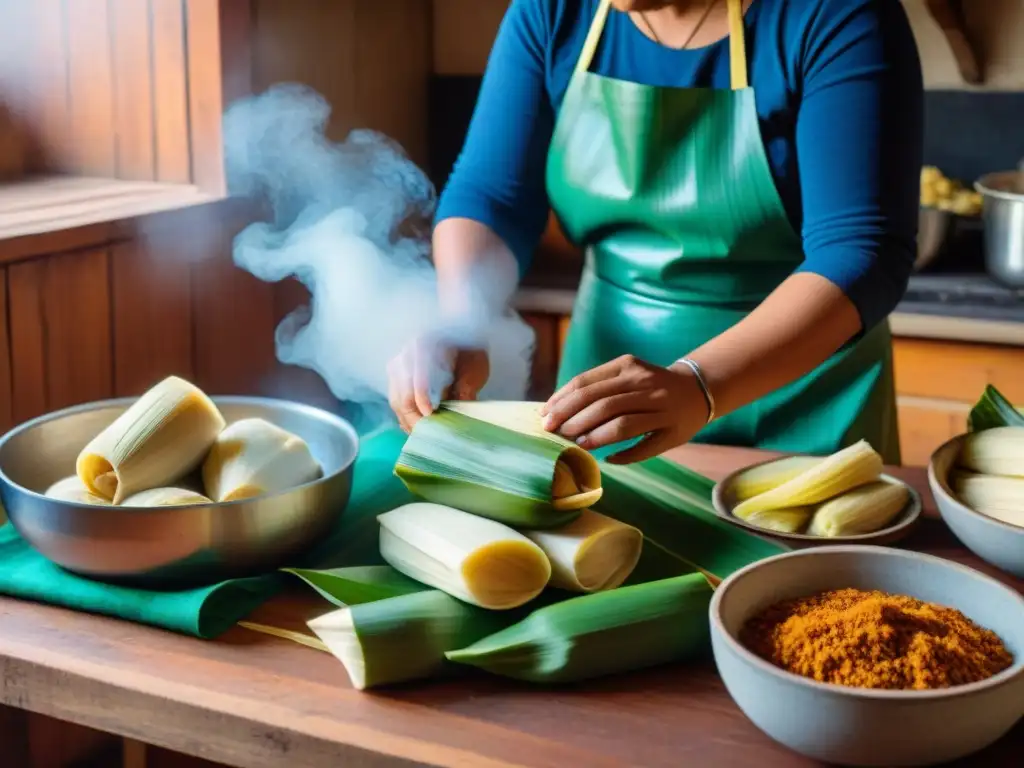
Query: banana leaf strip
(672,506)
(600,634)
(404,638)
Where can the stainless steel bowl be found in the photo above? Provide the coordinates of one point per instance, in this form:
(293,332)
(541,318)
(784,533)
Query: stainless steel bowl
(1003,215)
(169,546)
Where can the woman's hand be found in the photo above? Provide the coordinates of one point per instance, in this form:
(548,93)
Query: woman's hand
(627,398)
(414,374)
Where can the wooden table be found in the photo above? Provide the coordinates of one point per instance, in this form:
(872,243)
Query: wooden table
(253,701)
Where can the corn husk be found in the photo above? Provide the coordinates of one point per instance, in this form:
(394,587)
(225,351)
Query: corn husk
(163,436)
(604,633)
(165,497)
(672,505)
(994,451)
(478,560)
(253,457)
(1001,498)
(592,553)
(789,520)
(844,470)
(863,510)
(521,476)
(402,638)
(762,478)
(73,490)
(993,410)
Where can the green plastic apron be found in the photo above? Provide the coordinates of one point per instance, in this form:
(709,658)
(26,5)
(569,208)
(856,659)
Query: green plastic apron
(670,193)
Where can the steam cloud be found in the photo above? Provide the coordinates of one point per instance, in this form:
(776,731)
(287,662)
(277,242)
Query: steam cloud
(344,222)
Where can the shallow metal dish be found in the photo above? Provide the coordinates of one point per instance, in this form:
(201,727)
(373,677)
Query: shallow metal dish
(842,725)
(723,499)
(170,546)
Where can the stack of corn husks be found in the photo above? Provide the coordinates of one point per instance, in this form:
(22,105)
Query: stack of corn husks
(525,560)
(989,477)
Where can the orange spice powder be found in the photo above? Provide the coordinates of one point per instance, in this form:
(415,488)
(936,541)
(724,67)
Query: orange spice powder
(875,640)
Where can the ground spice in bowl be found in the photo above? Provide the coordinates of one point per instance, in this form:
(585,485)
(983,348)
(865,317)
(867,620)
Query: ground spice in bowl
(875,640)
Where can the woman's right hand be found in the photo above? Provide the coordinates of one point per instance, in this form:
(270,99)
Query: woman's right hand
(423,362)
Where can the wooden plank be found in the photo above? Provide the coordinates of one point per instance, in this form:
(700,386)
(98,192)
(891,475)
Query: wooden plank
(393,56)
(133,104)
(28,339)
(170,91)
(957,371)
(151,281)
(236,38)
(91,87)
(14,731)
(205,99)
(464,31)
(233,316)
(6,413)
(310,42)
(925,425)
(60,332)
(57,744)
(51,114)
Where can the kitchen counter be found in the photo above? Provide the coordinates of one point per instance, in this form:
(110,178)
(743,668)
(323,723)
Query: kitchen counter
(953,307)
(253,701)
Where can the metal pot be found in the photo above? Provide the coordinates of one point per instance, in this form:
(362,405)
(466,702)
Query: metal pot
(1003,215)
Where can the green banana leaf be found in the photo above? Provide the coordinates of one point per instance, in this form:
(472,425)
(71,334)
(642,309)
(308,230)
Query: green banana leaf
(672,506)
(993,410)
(483,468)
(600,634)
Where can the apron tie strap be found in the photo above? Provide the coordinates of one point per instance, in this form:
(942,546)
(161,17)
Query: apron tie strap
(737,45)
(737,42)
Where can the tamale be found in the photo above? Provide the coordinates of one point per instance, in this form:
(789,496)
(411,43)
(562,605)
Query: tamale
(252,457)
(160,438)
(591,553)
(478,560)
(519,475)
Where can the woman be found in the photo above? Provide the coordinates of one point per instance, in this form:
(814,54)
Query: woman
(742,255)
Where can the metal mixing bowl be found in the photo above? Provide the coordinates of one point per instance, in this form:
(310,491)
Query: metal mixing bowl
(169,546)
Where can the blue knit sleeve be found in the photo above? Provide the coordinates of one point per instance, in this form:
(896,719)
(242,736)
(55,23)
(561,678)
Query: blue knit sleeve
(498,179)
(859,150)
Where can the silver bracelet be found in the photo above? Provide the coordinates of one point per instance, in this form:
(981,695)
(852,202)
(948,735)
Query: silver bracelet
(702,383)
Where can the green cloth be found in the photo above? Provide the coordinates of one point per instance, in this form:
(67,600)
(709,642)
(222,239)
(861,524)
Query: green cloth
(671,194)
(209,611)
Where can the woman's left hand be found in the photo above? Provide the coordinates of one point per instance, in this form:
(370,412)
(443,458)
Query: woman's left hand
(624,399)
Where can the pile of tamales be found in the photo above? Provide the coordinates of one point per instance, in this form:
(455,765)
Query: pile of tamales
(513,563)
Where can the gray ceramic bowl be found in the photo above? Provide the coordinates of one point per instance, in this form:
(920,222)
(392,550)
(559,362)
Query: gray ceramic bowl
(723,498)
(852,726)
(994,541)
(167,546)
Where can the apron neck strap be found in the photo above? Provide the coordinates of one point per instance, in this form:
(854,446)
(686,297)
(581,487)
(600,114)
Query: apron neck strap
(737,43)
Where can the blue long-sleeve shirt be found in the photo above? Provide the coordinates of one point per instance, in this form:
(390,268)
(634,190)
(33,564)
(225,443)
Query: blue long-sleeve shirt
(840,101)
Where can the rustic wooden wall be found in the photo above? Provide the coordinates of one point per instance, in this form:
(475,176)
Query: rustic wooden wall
(127,89)
(370,59)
